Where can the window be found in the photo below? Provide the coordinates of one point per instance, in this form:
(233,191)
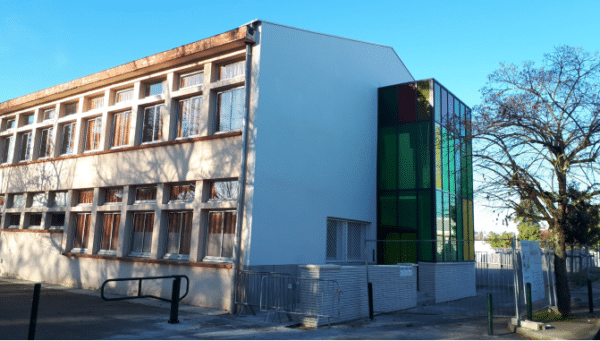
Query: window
(82,231)
(68,139)
(86,197)
(188,120)
(1,200)
(154,89)
(232,70)
(224,190)
(18,200)
(110,231)
(345,240)
(25,146)
(191,79)
(144,194)
(230,112)
(46,142)
(57,221)
(123,96)
(39,200)
(221,234)
(96,102)
(182,192)
(71,108)
(60,199)
(143,224)
(28,119)
(14,221)
(35,219)
(10,123)
(7,149)
(113,195)
(93,133)
(120,136)
(152,130)
(48,114)
(179,233)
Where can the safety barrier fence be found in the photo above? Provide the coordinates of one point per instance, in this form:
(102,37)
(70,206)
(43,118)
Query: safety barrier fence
(309,297)
(248,289)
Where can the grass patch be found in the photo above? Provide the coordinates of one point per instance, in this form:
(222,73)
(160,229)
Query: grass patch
(550,315)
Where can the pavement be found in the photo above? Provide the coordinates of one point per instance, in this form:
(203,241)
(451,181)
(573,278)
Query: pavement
(67,313)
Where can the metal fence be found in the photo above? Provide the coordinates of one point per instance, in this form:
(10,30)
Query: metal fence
(248,289)
(309,297)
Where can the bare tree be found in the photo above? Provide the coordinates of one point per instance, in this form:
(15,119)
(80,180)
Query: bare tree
(536,133)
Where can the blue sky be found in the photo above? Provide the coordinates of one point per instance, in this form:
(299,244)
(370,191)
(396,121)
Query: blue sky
(457,42)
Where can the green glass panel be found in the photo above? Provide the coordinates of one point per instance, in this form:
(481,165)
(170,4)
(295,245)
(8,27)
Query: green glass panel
(450,119)
(392,250)
(462,119)
(408,248)
(387,106)
(447,227)
(458,170)
(388,158)
(407,210)
(438,156)
(459,229)
(464,176)
(471,232)
(439,221)
(451,166)
(444,107)
(423,143)
(445,164)
(438,103)
(425,248)
(470,171)
(388,214)
(423,101)
(407,171)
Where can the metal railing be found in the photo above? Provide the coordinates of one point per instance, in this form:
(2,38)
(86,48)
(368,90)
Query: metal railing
(174,300)
(248,288)
(318,298)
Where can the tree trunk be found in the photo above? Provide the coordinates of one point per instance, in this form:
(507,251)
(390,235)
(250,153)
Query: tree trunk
(563,294)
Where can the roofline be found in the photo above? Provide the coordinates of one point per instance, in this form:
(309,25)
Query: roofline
(225,41)
(334,36)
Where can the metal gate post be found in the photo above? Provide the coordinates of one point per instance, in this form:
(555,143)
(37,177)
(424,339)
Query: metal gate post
(516,277)
(174,318)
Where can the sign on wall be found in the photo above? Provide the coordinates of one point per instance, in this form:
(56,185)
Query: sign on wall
(531,260)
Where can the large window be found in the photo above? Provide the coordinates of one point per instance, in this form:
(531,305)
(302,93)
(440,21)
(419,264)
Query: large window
(68,139)
(96,102)
(86,197)
(152,130)
(230,110)
(224,190)
(145,194)
(122,96)
(191,79)
(93,133)
(45,142)
(113,195)
(154,88)
(82,231)
(120,136)
(7,149)
(232,70)
(110,231)
(143,224)
(180,232)
(182,192)
(39,200)
(221,234)
(188,120)
(345,240)
(25,146)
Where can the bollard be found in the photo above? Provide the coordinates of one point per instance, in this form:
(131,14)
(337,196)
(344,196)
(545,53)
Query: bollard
(34,310)
(370,288)
(490,315)
(590,296)
(174,318)
(529,305)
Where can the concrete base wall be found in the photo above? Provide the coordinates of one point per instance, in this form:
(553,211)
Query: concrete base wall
(447,281)
(37,257)
(394,288)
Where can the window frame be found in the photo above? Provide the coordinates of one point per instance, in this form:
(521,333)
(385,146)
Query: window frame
(124,129)
(97,136)
(8,149)
(13,123)
(341,241)
(46,117)
(96,102)
(26,148)
(22,200)
(57,227)
(148,88)
(185,107)
(160,108)
(113,238)
(190,74)
(79,196)
(184,184)
(70,105)
(223,67)
(10,224)
(86,232)
(182,220)
(145,201)
(121,92)
(218,110)
(106,195)
(212,191)
(220,258)
(36,202)
(71,142)
(28,119)
(46,146)
(142,254)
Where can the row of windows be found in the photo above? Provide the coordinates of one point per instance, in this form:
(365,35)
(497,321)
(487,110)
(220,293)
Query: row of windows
(229,117)
(184,192)
(150,88)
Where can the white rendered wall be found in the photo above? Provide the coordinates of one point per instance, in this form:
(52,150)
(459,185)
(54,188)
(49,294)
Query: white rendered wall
(315,140)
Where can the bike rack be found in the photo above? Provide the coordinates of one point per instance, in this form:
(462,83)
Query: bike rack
(174,296)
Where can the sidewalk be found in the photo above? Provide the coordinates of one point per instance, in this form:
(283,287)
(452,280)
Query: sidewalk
(81,314)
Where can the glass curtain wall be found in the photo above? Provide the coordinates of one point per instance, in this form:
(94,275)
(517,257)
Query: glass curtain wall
(425,191)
